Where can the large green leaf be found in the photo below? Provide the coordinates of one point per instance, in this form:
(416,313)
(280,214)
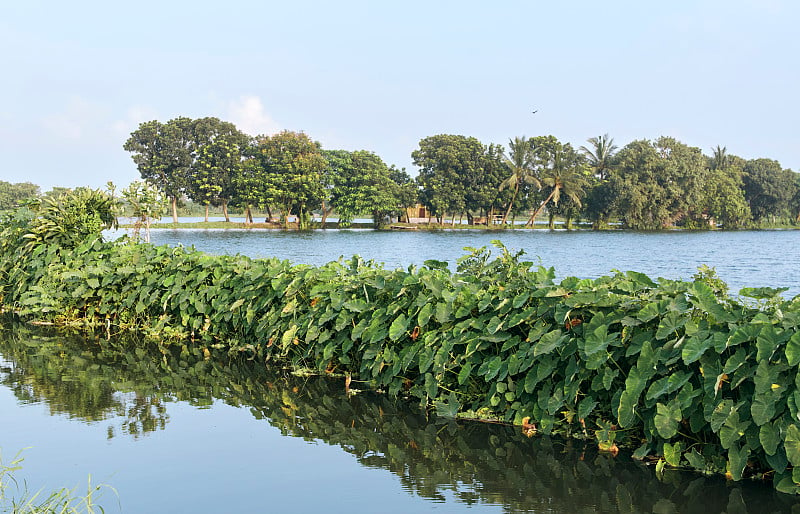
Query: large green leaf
(791,443)
(667,419)
(398,327)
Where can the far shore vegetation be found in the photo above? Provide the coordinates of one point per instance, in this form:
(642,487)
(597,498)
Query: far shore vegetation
(205,167)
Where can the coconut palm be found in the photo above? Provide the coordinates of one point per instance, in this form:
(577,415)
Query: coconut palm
(720,158)
(521,164)
(600,155)
(565,174)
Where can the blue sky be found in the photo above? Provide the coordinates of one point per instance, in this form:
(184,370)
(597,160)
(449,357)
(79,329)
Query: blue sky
(78,77)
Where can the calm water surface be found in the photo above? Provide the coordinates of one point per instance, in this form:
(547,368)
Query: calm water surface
(178,433)
(743,259)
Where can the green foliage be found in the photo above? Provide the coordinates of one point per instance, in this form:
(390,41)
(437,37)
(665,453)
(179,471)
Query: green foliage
(16,498)
(15,195)
(653,363)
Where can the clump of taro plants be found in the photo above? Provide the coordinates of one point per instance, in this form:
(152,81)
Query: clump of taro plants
(677,371)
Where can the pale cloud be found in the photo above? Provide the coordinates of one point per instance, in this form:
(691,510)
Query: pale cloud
(248,114)
(79,120)
(133,117)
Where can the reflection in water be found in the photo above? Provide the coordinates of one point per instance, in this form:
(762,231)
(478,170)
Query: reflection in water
(469,463)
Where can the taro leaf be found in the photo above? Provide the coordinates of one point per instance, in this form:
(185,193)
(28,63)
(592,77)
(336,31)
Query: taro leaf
(424,315)
(762,293)
(648,312)
(732,430)
(695,460)
(769,436)
(667,419)
(695,348)
(703,298)
(670,324)
(762,409)
(548,342)
(793,349)
(494,325)
(743,334)
(585,407)
(598,340)
(791,444)
(672,453)
(720,414)
(766,343)
(493,367)
(737,460)
(431,385)
(787,485)
(465,372)
(398,327)
(443,312)
(641,452)
(449,408)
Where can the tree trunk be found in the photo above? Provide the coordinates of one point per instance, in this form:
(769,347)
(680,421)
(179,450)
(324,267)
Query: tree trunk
(532,219)
(225,210)
(206,212)
(174,209)
(269,215)
(510,204)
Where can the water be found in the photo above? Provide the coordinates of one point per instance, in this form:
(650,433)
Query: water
(768,258)
(183,434)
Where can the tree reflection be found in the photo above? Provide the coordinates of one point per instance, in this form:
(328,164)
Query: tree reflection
(130,386)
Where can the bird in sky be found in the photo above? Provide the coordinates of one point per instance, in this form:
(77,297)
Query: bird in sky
(534,112)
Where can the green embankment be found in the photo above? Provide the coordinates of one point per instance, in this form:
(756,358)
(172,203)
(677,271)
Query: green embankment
(676,370)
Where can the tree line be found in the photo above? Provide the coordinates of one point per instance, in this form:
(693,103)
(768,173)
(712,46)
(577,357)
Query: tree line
(644,185)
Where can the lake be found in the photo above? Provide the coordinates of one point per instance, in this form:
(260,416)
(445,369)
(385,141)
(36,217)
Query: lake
(741,258)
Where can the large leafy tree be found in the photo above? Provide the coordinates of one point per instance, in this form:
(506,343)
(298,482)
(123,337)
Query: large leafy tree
(218,163)
(14,195)
(657,184)
(458,174)
(360,183)
(164,155)
(768,188)
(293,166)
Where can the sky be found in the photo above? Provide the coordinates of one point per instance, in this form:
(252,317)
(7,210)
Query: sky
(76,78)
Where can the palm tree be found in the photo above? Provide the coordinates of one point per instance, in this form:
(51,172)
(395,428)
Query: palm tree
(521,164)
(720,158)
(565,175)
(600,156)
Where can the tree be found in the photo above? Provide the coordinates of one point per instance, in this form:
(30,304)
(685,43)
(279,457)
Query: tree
(719,159)
(147,204)
(563,171)
(600,155)
(14,195)
(218,163)
(360,183)
(163,153)
(520,163)
(406,190)
(293,167)
(768,188)
(724,202)
(458,174)
(657,184)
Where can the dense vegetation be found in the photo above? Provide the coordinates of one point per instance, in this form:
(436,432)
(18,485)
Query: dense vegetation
(644,185)
(678,370)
